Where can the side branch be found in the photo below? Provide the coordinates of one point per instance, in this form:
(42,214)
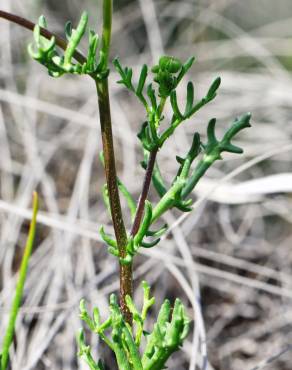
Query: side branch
(144,192)
(25,23)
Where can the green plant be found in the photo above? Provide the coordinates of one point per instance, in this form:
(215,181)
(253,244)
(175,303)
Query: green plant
(124,328)
(8,337)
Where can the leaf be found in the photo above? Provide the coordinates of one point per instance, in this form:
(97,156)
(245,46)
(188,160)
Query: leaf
(184,206)
(213,88)
(68,30)
(144,137)
(150,244)
(144,224)
(158,181)
(92,49)
(232,148)
(173,101)
(142,79)
(211,132)
(195,147)
(130,200)
(9,333)
(75,38)
(107,239)
(190,97)
(186,66)
(119,68)
(158,232)
(42,22)
(129,74)
(125,73)
(105,197)
(151,94)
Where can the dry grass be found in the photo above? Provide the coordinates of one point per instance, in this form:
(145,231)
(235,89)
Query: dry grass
(229,260)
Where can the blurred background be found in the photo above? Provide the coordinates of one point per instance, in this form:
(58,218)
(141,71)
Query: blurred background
(229,260)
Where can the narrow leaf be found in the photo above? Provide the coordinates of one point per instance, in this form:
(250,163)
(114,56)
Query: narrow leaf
(190,97)
(142,79)
(211,132)
(175,108)
(213,88)
(68,30)
(8,337)
(144,224)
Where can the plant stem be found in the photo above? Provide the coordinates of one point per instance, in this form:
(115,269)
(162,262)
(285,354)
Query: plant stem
(147,178)
(126,285)
(115,205)
(107,28)
(144,192)
(19,287)
(107,139)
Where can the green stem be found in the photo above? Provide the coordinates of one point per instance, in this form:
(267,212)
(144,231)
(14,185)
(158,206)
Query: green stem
(199,171)
(107,28)
(19,287)
(168,200)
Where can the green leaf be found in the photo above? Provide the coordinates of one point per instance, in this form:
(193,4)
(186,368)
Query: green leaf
(150,244)
(158,181)
(184,206)
(91,55)
(144,224)
(42,22)
(214,148)
(119,68)
(68,30)
(151,94)
(130,200)
(186,66)
(105,197)
(142,79)
(75,38)
(114,252)
(158,232)
(145,137)
(107,239)
(213,88)
(173,101)
(190,97)
(9,333)
(211,132)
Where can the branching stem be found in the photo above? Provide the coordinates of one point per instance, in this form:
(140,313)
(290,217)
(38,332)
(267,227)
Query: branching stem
(144,192)
(107,139)
(147,179)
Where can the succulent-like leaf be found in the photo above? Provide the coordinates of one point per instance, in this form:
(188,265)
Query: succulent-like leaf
(144,224)
(142,79)
(190,98)
(108,239)
(213,88)
(175,108)
(75,38)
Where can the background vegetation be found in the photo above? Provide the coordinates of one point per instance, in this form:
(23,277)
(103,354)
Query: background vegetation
(230,259)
